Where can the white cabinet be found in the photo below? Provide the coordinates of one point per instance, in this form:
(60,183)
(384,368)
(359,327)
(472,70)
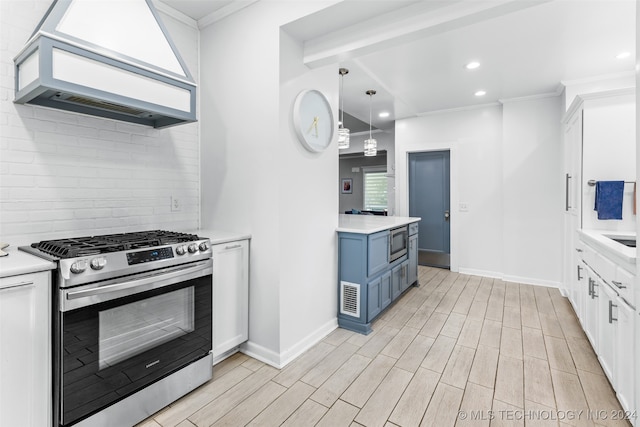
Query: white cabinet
(25,350)
(606,330)
(625,365)
(610,322)
(590,313)
(230,296)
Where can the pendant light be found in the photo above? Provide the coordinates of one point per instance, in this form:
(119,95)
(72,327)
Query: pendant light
(370,145)
(343,133)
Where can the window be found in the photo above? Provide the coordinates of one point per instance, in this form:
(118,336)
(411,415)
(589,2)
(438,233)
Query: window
(375,188)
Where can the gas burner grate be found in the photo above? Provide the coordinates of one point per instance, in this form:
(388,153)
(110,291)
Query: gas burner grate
(95,245)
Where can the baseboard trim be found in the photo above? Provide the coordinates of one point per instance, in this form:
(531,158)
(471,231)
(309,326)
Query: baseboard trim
(300,347)
(261,353)
(530,281)
(508,278)
(281,360)
(482,273)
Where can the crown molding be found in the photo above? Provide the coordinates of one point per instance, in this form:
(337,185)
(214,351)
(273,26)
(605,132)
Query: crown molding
(555,94)
(459,109)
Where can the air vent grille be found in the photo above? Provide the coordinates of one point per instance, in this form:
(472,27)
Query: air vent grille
(350,299)
(104,105)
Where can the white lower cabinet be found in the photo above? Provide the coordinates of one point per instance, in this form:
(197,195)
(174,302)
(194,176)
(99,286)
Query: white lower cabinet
(625,363)
(25,350)
(590,308)
(610,323)
(230,295)
(607,330)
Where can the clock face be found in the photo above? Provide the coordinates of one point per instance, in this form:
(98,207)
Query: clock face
(313,120)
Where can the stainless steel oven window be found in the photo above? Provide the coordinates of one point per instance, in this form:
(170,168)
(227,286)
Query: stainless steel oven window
(131,329)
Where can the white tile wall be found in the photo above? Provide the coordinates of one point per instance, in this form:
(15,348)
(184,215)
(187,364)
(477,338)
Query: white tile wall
(65,174)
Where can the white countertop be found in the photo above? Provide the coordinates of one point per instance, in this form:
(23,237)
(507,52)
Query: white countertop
(19,262)
(369,224)
(217,236)
(598,239)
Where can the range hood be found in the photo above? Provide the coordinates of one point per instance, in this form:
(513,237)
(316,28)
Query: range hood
(106,58)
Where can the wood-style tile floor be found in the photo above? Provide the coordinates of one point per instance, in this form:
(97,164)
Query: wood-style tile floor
(458,350)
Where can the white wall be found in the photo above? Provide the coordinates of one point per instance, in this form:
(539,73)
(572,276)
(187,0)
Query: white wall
(308,205)
(256,177)
(65,174)
(532,191)
(608,154)
(475,140)
(506,167)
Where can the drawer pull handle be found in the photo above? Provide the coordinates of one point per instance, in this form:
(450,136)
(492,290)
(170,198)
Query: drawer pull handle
(17,285)
(233,246)
(578,250)
(619,285)
(611,318)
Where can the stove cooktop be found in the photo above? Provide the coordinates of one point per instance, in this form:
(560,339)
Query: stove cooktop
(108,243)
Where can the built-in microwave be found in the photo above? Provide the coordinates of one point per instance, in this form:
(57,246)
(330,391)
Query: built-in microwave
(398,242)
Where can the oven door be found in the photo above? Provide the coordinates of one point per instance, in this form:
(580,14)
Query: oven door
(118,336)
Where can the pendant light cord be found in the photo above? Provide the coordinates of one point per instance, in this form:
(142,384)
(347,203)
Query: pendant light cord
(370,105)
(341,100)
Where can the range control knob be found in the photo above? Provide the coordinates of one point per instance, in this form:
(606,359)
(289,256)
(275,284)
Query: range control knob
(79,266)
(181,250)
(203,246)
(193,248)
(98,263)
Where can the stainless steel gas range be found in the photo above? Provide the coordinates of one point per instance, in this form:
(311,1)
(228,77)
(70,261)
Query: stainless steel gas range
(131,324)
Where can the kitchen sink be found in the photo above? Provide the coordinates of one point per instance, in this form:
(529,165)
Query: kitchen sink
(627,241)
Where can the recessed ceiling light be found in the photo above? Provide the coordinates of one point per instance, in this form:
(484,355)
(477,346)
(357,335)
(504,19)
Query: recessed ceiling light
(623,55)
(480,93)
(472,65)
(383,114)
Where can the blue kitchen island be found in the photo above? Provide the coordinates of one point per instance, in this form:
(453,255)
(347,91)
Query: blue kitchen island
(377,262)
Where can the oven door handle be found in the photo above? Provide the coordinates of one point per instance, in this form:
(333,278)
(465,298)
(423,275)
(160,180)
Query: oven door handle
(72,299)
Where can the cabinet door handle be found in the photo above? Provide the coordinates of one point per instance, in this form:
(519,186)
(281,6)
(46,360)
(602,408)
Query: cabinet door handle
(611,318)
(566,185)
(590,286)
(578,250)
(593,290)
(233,246)
(579,270)
(17,285)
(619,285)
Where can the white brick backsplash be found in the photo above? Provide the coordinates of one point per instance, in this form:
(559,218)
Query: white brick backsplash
(64,174)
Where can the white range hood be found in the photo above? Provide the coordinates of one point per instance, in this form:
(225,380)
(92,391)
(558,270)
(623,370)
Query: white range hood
(107,58)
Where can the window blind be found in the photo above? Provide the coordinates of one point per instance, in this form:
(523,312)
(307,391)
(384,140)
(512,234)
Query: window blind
(375,190)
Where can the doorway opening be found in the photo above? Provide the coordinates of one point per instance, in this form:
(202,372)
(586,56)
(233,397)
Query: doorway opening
(429,199)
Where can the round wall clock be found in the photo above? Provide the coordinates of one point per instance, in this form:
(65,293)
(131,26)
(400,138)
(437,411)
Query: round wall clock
(313,120)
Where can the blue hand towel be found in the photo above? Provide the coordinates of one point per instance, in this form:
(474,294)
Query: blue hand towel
(609,199)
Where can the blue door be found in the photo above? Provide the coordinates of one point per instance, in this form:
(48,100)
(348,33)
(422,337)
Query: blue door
(429,188)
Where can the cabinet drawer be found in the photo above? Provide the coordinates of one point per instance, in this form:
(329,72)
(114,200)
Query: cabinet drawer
(604,267)
(624,284)
(413,228)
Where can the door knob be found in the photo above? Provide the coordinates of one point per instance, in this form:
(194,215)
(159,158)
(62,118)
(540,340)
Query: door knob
(446,215)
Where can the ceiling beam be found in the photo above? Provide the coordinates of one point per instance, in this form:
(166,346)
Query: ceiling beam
(405,25)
